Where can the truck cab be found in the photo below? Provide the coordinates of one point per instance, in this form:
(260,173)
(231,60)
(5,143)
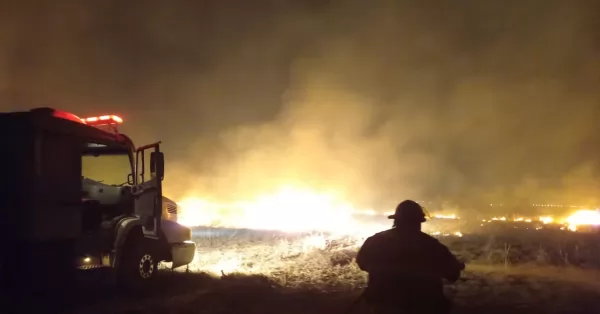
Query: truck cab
(84,197)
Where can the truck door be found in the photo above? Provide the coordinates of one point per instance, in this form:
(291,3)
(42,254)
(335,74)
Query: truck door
(148,193)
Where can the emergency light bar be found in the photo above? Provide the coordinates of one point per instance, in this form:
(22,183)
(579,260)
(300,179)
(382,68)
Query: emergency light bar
(102,120)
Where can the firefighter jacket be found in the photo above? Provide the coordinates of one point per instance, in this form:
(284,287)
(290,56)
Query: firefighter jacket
(406,268)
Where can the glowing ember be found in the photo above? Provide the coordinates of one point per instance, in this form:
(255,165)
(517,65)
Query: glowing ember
(451,216)
(546,219)
(318,242)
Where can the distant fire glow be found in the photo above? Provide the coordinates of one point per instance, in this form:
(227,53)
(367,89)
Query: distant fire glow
(583,218)
(546,219)
(327,218)
(288,209)
(293,209)
(450,216)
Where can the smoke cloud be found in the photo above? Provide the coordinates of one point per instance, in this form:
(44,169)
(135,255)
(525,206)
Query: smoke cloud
(470,101)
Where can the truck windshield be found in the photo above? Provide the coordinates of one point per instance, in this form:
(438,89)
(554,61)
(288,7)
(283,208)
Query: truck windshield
(111,169)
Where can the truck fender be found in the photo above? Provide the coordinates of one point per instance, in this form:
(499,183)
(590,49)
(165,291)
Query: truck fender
(134,224)
(123,229)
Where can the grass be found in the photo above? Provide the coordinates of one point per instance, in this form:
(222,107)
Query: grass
(523,247)
(506,273)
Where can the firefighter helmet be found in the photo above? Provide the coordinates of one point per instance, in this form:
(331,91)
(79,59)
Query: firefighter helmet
(410,212)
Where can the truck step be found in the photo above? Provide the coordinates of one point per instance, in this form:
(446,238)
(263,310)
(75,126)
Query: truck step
(88,267)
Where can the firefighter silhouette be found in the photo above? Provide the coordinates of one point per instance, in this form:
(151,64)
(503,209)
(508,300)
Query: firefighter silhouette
(406,267)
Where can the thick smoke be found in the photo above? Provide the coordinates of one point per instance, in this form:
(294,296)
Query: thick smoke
(474,101)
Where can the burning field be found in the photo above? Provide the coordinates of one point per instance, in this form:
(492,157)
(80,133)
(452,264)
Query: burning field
(298,237)
(305,251)
(257,257)
(325,259)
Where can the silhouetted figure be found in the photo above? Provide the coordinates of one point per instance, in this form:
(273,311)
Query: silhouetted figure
(406,266)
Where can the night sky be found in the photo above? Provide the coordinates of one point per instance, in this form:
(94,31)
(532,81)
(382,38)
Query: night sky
(381,100)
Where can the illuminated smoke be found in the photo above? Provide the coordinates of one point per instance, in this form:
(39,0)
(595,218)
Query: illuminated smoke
(378,101)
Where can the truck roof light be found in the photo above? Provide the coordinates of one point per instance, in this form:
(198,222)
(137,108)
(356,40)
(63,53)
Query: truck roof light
(102,120)
(66,115)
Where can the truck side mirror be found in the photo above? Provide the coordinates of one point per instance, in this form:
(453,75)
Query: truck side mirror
(157,164)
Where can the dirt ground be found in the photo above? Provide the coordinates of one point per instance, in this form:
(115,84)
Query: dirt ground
(482,289)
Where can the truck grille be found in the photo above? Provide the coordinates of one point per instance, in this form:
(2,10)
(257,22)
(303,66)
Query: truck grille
(172,209)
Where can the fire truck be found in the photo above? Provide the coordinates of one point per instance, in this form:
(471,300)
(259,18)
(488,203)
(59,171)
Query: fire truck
(77,195)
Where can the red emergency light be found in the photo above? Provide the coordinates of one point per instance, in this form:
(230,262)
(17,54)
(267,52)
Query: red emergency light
(62,114)
(102,120)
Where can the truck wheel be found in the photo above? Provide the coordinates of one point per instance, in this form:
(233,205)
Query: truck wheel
(139,264)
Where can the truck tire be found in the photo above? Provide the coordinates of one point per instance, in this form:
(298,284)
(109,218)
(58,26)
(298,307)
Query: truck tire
(139,263)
